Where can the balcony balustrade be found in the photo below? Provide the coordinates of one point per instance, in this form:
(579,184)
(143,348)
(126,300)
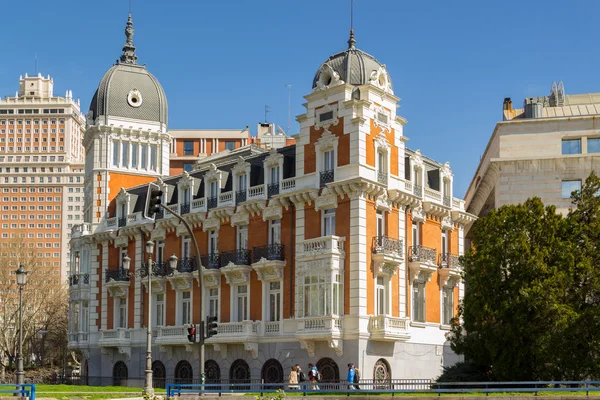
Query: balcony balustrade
(387,328)
(382,177)
(118,337)
(212,202)
(240,196)
(326,177)
(111,223)
(256,192)
(420,253)
(116,274)
(210,260)
(432,194)
(236,332)
(160,268)
(199,205)
(449,260)
(159,214)
(272,189)
(387,245)
(186,265)
(79,279)
(170,335)
(226,199)
(271,328)
(288,185)
(323,245)
(446,201)
(269,252)
(418,190)
(184,208)
(237,257)
(122,221)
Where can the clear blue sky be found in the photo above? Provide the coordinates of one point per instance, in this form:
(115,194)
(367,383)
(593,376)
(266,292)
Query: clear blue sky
(220,62)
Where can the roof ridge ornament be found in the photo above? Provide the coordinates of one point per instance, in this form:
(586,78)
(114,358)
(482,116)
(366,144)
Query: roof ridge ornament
(129,56)
(351,41)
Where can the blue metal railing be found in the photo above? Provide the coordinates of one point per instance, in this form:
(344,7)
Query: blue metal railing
(389,386)
(25,390)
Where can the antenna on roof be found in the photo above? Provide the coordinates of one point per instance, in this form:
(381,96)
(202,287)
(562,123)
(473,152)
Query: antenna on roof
(351,41)
(289,86)
(130,7)
(36,63)
(267,110)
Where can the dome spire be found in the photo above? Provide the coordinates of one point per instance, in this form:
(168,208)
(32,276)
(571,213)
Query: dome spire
(128,56)
(351,41)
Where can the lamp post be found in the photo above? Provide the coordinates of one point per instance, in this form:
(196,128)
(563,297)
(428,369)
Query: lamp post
(21,281)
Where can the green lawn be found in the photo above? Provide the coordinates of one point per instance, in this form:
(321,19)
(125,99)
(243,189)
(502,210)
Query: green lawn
(64,392)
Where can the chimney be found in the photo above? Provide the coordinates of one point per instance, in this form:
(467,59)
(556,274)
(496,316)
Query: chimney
(507,105)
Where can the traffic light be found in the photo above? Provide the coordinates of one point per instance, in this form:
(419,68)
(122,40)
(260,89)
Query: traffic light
(211,326)
(154,202)
(192,333)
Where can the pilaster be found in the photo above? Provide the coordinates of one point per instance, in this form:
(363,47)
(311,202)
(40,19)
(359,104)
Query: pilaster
(358,256)
(104,298)
(137,288)
(95,286)
(402,270)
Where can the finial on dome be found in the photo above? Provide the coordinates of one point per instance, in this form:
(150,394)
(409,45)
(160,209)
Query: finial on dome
(128,56)
(351,41)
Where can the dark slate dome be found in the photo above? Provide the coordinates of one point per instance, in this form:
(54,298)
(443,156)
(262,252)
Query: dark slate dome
(352,66)
(128,90)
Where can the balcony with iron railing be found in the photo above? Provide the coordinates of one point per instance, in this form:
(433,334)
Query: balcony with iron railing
(270,252)
(446,201)
(236,257)
(122,221)
(326,177)
(382,177)
(272,189)
(212,202)
(226,199)
(187,264)
(418,190)
(184,208)
(450,268)
(421,262)
(210,260)
(449,260)
(240,196)
(388,245)
(159,214)
(79,279)
(256,192)
(418,253)
(116,274)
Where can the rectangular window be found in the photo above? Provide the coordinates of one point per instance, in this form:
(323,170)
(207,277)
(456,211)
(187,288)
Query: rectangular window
(213,302)
(381,296)
(416,234)
(159,310)
(418,301)
(380,224)
(445,248)
(242,303)
(275,232)
(571,146)
(447,305)
(188,167)
(186,308)
(188,148)
(160,251)
(328,226)
(569,187)
(213,242)
(229,145)
(134,155)
(242,183)
(121,313)
(185,247)
(326,116)
(116,154)
(593,145)
(328,160)
(153,159)
(213,189)
(242,237)
(274,300)
(144,157)
(274,175)
(125,154)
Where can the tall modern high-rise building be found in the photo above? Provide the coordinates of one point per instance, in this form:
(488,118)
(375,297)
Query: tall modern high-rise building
(41,173)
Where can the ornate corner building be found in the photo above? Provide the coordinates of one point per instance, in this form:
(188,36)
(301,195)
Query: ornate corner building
(341,248)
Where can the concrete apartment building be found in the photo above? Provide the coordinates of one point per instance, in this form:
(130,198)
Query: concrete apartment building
(41,172)
(545,149)
(343,247)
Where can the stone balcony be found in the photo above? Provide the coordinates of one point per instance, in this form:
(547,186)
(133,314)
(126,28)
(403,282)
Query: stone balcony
(170,335)
(246,332)
(422,262)
(327,328)
(78,339)
(115,337)
(388,254)
(450,269)
(321,246)
(116,280)
(387,328)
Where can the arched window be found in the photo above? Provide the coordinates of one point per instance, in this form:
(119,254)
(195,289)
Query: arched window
(382,374)
(239,372)
(272,371)
(120,374)
(329,369)
(212,371)
(159,374)
(183,372)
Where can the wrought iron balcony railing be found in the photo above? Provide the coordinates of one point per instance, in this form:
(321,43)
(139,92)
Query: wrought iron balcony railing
(449,260)
(387,245)
(117,274)
(422,254)
(210,260)
(325,177)
(237,257)
(122,221)
(382,177)
(272,189)
(418,190)
(79,279)
(187,265)
(446,201)
(269,252)
(184,208)
(240,196)
(212,202)
(159,214)
(161,268)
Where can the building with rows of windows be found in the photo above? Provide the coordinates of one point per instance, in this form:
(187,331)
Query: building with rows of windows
(545,149)
(41,176)
(343,247)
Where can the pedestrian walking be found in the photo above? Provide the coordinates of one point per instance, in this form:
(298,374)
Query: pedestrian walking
(313,376)
(350,377)
(301,377)
(293,379)
(356,377)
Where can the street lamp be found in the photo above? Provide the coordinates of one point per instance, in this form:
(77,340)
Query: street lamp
(21,281)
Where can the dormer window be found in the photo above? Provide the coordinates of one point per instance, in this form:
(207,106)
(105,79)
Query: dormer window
(184,207)
(273,187)
(326,116)
(213,193)
(240,196)
(327,168)
(122,214)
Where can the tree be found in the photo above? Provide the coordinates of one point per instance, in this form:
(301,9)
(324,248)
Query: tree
(515,289)
(45,305)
